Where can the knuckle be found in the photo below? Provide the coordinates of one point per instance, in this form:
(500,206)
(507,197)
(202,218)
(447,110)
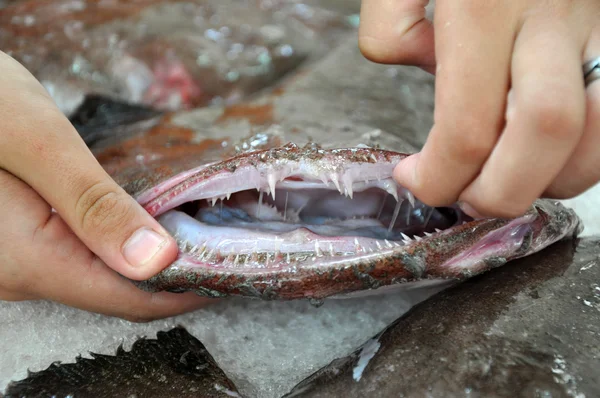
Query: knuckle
(469,139)
(551,116)
(101,208)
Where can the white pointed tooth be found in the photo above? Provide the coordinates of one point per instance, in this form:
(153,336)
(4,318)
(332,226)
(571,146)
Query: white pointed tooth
(371,250)
(392,189)
(336,181)
(213,202)
(396,244)
(318,249)
(237,259)
(323,178)
(418,238)
(194,249)
(438,230)
(228,195)
(287,258)
(272,180)
(357,245)
(427,234)
(388,243)
(411,198)
(405,237)
(378,245)
(373,158)
(348,185)
(331,250)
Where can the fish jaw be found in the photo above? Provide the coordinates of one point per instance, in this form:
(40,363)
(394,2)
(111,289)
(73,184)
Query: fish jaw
(271,258)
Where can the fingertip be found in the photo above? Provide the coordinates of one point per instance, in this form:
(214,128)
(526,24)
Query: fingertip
(148,251)
(405,172)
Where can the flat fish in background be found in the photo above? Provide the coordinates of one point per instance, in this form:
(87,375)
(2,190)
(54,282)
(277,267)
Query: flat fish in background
(175,364)
(535,336)
(166,54)
(275,215)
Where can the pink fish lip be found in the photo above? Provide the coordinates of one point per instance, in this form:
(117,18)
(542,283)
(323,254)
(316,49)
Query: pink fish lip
(295,222)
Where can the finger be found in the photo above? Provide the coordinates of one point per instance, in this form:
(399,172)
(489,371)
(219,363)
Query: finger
(543,124)
(396,32)
(41,257)
(582,170)
(41,147)
(473,47)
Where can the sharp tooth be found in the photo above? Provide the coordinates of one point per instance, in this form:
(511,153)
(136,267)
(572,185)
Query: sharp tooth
(396,244)
(331,250)
(287,258)
(228,195)
(378,245)
(371,250)
(357,245)
(388,243)
(237,259)
(405,237)
(272,179)
(418,238)
(394,216)
(318,249)
(373,158)
(323,178)
(213,202)
(438,230)
(348,185)
(230,257)
(336,181)
(194,249)
(427,234)
(411,198)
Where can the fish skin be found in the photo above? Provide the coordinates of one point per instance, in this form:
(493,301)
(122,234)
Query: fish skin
(175,364)
(535,335)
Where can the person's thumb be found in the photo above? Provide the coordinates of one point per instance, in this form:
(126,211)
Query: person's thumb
(40,146)
(397,32)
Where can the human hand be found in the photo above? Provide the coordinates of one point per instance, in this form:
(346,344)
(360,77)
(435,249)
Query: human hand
(44,164)
(494,150)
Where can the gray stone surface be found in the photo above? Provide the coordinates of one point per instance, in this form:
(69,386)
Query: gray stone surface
(528,329)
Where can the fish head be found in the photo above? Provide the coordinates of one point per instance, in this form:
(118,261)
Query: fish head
(272,219)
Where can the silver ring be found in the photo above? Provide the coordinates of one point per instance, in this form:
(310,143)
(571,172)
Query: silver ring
(591,71)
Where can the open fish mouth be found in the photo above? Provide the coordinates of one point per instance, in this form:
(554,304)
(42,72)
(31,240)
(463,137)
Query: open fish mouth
(294,222)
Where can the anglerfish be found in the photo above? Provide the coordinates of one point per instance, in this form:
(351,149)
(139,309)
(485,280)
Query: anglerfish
(275,214)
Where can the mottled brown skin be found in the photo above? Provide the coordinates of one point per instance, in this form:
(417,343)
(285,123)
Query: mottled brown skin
(523,330)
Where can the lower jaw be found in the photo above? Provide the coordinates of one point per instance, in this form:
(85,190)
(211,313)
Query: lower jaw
(453,254)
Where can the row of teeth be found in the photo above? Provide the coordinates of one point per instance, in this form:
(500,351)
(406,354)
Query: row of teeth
(345,185)
(215,256)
